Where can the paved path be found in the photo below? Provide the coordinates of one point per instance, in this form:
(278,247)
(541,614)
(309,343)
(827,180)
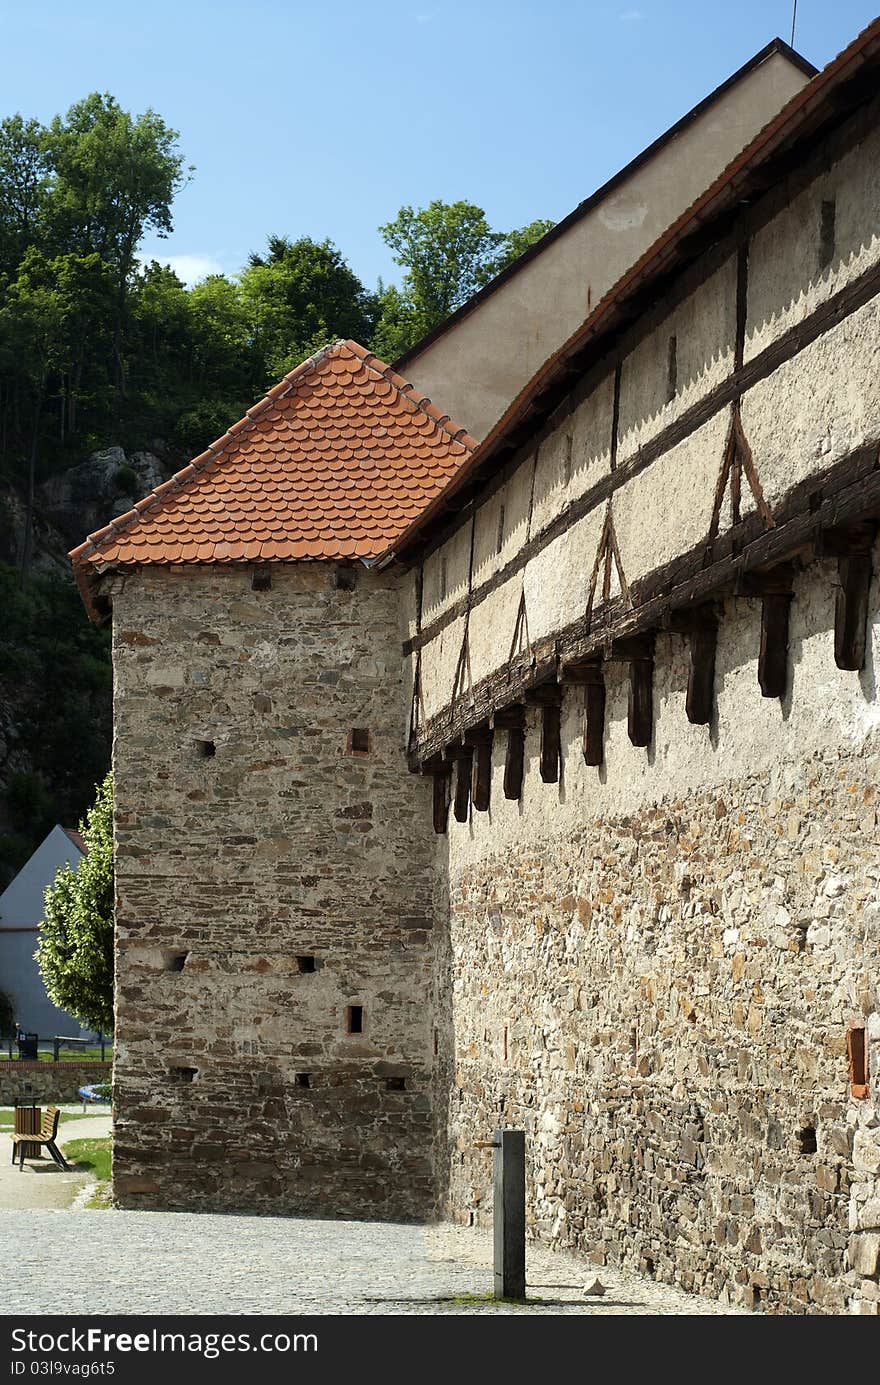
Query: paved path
(176,1262)
(41,1183)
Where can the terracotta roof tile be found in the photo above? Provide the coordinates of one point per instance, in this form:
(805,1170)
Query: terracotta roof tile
(329,465)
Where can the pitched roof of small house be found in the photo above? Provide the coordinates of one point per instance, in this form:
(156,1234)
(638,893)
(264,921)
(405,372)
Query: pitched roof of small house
(849,80)
(334,463)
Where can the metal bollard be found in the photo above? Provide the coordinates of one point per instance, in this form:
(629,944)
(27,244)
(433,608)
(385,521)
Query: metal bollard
(509,1211)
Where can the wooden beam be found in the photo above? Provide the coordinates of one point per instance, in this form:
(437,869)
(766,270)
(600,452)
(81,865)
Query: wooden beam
(441,799)
(594,716)
(852,548)
(482,782)
(700,625)
(826,316)
(548,696)
(639,654)
(773,655)
(551,742)
(512,719)
(851,611)
(843,495)
(464,767)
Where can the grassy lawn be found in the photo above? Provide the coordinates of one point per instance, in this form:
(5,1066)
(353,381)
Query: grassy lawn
(93,1156)
(65,1055)
(7,1115)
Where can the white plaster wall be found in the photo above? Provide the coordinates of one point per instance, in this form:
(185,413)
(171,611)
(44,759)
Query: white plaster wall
(825,707)
(786,281)
(812,411)
(704,326)
(480,364)
(816,407)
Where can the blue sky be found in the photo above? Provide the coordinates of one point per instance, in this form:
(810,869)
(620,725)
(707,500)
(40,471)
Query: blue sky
(322,119)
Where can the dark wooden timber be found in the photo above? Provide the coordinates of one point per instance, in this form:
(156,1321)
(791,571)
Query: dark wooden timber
(464,766)
(481,792)
(701,628)
(773,655)
(512,719)
(548,697)
(589,673)
(846,494)
(638,653)
(441,800)
(852,548)
(834,310)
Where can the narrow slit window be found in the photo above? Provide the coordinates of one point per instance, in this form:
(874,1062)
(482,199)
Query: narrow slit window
(499,538)
(827,232)
(261,580)
(206,749)
(184,1074)
(443,576)
(345,578)
(303,1079)
(807,1139)
(305,965)
(566,462)
(359,741)
(857,1054)
(671,369)
(354,1019)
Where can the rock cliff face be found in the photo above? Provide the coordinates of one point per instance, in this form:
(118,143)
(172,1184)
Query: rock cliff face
(55,678)
(86,497)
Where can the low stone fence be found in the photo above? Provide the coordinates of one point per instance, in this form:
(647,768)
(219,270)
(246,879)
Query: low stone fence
(45,1082)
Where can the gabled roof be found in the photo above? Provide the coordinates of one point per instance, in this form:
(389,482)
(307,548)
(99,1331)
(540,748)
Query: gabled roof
(775,46)
(334,463)
(847,81)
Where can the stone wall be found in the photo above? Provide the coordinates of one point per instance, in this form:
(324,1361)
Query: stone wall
(271,875)
(47,1082)
(652,969)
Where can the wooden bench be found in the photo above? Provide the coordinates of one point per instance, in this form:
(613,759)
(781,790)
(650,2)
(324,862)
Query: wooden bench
(25,1142)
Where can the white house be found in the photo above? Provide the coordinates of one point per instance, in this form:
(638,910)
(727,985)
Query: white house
(21,908)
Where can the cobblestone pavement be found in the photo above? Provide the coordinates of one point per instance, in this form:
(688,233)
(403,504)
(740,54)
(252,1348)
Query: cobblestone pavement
(180,1262)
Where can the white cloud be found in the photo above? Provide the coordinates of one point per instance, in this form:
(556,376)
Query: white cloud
(191,268)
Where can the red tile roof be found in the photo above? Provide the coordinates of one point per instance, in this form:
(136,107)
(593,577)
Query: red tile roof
(77,839)
(335,462)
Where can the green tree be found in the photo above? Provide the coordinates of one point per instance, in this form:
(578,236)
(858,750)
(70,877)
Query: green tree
(298,296)
(75,949)
(114,179)
(445,249)
(516,243)
(24,183)
(448,252)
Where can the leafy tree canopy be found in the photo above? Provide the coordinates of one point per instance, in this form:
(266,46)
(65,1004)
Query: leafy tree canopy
(448,252)
(75,949)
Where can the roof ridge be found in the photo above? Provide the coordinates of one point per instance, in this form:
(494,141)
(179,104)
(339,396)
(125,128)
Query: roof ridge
(598,195)
(212,453)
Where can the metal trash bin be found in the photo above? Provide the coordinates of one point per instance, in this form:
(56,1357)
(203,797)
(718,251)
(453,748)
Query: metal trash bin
(27,1046)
